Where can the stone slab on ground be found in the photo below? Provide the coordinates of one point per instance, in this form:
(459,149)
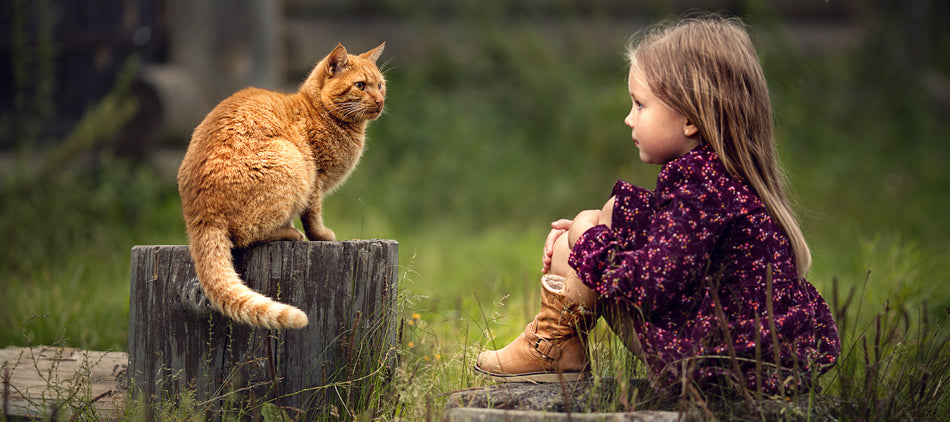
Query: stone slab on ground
(465,414)
(553,397)
(582,396)
(523,401)
(584,400)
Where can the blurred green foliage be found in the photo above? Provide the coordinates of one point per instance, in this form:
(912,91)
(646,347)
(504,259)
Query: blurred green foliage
(498,133)
(504,130)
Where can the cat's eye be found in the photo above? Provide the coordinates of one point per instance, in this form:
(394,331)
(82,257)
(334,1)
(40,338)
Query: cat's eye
(360,85)
(379,86)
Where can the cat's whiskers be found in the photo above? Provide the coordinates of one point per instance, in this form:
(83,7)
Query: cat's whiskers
(351,109)
(383,68)
(348,108)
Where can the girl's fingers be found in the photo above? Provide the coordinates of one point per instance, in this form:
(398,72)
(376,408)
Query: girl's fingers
(558,228)
(549,242)
(553,235)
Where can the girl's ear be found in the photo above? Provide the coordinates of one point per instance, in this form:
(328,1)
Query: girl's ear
(689,129)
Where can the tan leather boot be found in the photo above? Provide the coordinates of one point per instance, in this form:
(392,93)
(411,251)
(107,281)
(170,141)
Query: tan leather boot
(551,348)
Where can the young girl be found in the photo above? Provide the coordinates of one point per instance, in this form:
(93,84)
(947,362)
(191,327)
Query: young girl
(703,277)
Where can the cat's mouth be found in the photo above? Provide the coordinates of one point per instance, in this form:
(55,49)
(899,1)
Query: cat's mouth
(360,114)
(373,113)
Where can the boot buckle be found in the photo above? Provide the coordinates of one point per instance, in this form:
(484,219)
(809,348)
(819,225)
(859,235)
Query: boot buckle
(547,350)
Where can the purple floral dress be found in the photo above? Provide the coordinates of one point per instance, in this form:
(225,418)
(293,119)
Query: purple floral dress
(700,240)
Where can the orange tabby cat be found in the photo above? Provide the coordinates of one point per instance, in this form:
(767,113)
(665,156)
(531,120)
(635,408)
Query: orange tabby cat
(259,160)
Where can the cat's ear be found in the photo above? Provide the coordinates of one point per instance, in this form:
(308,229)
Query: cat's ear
(336,60)
(374,54)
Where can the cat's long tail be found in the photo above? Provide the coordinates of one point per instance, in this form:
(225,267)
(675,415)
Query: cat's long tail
(211,252)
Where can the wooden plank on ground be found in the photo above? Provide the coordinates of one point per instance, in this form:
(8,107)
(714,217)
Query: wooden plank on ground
(49,382)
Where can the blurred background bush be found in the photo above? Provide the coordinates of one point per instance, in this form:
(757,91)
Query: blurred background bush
(502,116)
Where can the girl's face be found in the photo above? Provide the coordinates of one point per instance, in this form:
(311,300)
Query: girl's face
(661,134)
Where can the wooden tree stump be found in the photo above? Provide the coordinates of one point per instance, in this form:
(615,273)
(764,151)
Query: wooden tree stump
(179,345)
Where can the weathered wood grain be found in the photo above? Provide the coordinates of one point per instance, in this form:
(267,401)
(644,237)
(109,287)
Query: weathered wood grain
(43,382)
(177,343)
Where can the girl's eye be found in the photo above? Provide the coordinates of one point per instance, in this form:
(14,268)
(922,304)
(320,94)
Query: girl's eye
(637,103)
(360,85)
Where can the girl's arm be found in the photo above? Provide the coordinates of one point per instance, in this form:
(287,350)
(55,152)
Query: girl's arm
(586,220)
(659,263)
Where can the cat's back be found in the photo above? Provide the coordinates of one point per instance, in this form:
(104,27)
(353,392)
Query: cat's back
(248,112)
(252,129)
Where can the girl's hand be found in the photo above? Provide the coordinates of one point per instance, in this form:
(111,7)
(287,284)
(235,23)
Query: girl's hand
(558,228)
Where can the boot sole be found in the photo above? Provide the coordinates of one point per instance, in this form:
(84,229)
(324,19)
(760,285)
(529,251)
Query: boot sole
(533,377)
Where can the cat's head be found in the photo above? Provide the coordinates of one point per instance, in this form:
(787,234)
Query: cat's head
(351,87)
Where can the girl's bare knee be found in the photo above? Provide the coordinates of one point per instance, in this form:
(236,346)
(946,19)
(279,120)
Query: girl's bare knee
(559,257)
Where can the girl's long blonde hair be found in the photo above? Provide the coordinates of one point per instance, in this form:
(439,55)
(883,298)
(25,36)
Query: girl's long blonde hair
(706,69)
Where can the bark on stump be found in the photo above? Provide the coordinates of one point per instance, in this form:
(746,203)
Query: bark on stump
(178,345)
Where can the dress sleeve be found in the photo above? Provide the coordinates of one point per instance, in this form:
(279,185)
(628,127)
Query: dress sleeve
(633,208)
(673,250)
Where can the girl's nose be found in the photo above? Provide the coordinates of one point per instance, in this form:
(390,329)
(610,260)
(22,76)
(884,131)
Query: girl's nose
(629,120)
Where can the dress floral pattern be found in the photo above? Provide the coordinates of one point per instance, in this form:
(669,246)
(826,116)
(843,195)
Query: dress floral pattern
(695,260)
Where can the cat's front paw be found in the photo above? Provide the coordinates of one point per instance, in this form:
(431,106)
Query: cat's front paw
(287,233)
(324,234)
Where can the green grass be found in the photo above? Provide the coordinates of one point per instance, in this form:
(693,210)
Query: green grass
(484,145)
